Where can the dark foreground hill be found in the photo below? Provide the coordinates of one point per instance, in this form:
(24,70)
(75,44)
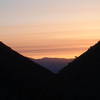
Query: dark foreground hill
(81,78)
(21,78)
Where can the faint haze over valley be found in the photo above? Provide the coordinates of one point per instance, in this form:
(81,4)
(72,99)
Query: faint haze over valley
(53,64)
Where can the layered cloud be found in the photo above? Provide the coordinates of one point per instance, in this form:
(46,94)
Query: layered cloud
(40,28)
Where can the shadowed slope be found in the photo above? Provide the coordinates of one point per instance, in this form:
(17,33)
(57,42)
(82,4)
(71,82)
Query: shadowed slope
(82,76)
(20,76)
(15,61)
(91,57)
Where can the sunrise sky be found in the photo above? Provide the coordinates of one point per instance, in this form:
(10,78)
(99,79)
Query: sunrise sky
(50,28)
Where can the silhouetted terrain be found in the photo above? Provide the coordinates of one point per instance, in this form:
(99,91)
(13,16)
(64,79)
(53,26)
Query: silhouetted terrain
(53,64)
(23,79)
(80,78)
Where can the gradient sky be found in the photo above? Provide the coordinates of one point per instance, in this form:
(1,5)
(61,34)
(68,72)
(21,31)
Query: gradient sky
(50,28)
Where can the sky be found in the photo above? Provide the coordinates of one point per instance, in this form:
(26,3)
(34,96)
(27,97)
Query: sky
(50,28)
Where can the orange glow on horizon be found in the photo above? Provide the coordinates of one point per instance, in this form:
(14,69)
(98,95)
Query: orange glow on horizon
(55,52)
(50,28)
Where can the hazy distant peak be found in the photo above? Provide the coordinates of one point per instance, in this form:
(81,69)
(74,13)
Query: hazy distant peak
(53,64)
(48,58)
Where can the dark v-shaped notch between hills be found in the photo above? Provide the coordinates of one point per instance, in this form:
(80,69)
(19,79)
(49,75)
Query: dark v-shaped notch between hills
(8,53)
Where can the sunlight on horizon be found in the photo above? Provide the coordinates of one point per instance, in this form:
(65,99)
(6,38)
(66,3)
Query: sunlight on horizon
(50,28)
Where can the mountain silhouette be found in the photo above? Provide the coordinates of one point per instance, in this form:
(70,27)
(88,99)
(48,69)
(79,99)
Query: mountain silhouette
(23,79)
(53,64)
(81,78)
(20,77)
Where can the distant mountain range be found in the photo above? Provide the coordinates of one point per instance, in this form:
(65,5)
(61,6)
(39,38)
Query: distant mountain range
(53,64)
(24,79)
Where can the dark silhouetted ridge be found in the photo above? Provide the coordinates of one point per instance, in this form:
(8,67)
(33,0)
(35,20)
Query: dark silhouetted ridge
(18,73)
(82,76)
(8,54)
(92,55)
(23,79)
